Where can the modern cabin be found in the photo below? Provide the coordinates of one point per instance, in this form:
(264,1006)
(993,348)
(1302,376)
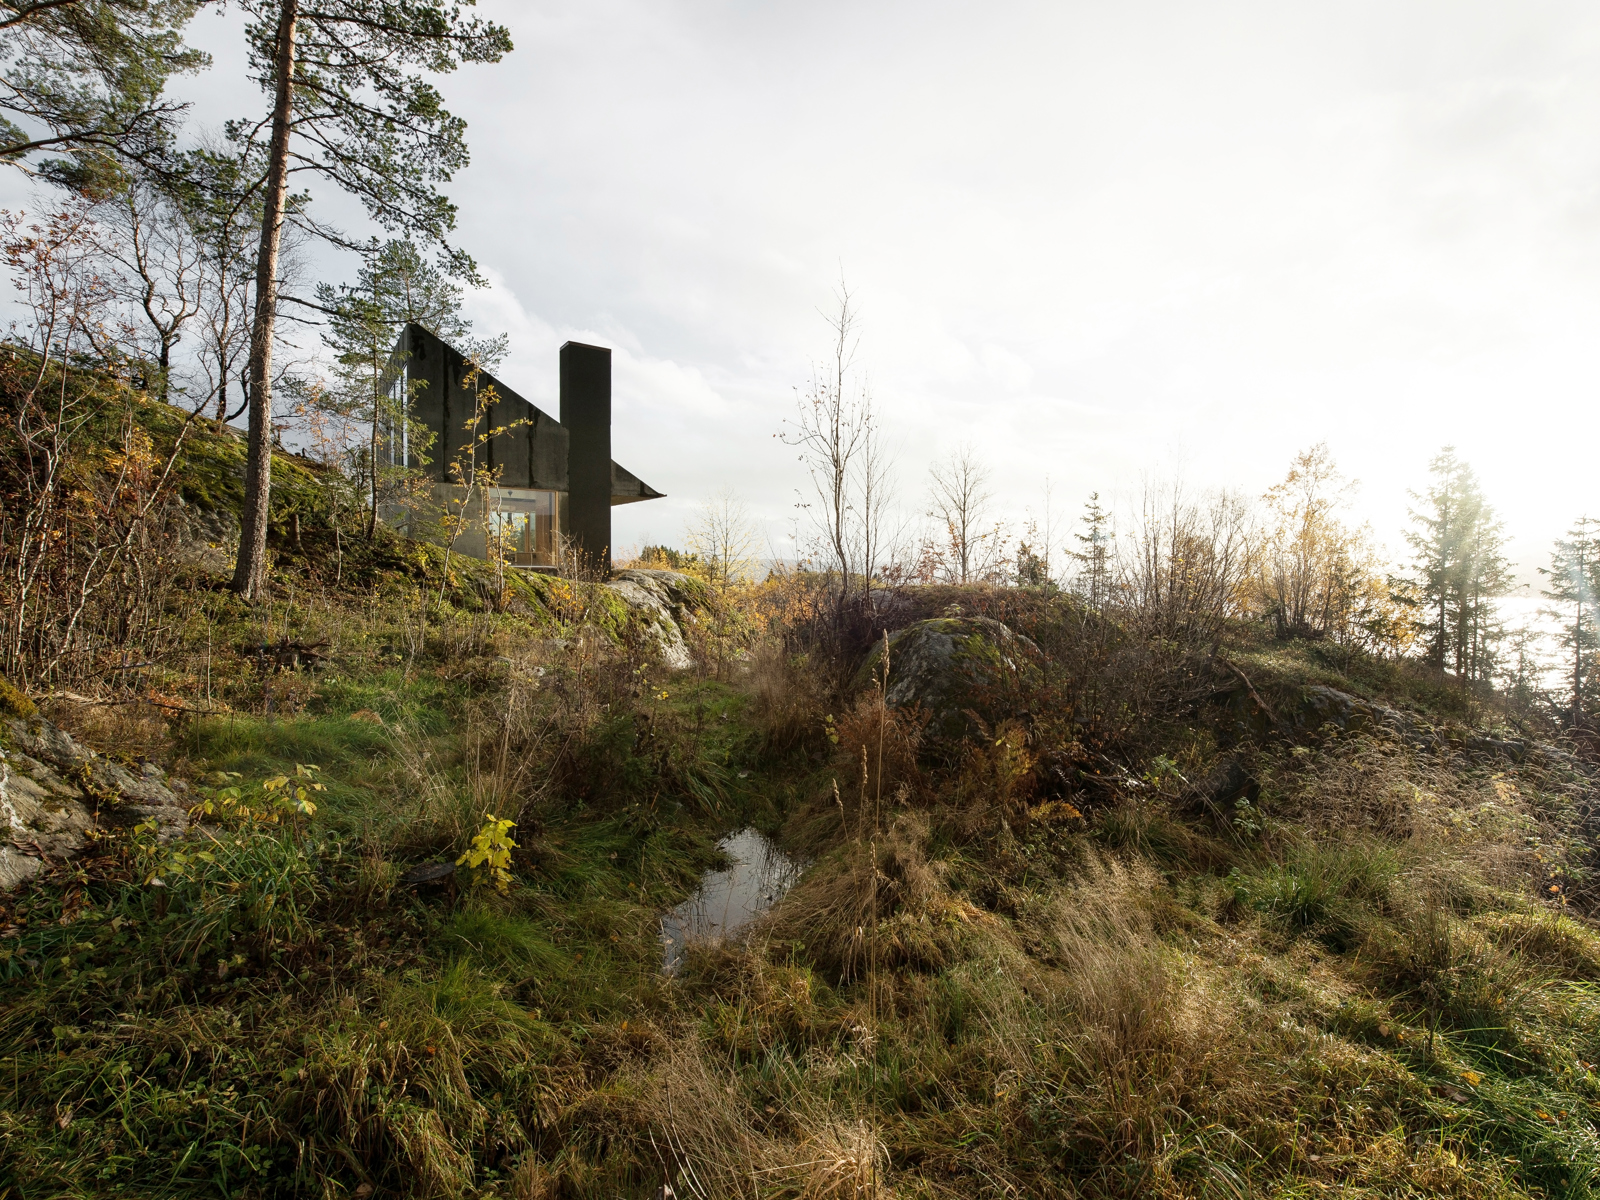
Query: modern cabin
(552,482)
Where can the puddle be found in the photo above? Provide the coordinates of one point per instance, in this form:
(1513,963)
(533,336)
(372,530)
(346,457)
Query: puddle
(729,899)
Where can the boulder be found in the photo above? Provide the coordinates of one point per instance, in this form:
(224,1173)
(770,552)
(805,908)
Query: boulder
(954,668)
(1218,791)
(1321,706)
(662,603)
(53,791)
(1317,708)
(1311,711)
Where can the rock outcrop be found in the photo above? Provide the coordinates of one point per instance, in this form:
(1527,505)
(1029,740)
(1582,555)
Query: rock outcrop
(954,668)
(54,792)
(1318,709)
(662,603)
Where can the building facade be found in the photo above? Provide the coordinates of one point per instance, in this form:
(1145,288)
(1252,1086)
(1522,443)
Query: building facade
(506,475)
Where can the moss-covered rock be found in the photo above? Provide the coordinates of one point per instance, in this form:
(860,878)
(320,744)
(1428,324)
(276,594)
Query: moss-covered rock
(661,604)
(955,669)
(13,703)
(54,791)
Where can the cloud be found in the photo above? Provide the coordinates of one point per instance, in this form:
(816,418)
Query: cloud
(1079,234)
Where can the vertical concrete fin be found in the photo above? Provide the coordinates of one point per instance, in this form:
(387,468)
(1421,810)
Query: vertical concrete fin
(586,413)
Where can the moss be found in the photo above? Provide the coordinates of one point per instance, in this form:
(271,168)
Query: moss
(954,667)
(611,612)
(13,703)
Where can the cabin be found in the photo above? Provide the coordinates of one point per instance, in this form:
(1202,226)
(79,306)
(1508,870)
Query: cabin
(551,480)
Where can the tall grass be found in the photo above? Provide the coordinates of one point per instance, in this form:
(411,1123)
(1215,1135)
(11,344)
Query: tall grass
(1352,989)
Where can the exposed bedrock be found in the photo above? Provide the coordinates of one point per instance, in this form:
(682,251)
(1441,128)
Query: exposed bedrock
(55,792)
(662,604)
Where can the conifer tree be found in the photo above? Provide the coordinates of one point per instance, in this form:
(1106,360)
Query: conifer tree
(84,79)
(1094,556)
(1574,575)
(1520,668)
(1032,569)
(396,285)
(1460,568)
(350,105)
(1480,631)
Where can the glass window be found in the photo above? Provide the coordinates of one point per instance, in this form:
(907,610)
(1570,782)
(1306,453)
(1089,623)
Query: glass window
(524,522)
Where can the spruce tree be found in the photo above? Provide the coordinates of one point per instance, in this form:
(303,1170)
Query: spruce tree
(351,105)
(1460,568)
(1574,575)
(1488,577)
(1031,569)
(1094,557)
(1520,669)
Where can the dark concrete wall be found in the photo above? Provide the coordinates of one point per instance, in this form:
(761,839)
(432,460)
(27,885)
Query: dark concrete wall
(571,456)
(586,413)
(533,455)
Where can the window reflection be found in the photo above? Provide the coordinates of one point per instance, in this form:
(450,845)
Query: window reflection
(524,521)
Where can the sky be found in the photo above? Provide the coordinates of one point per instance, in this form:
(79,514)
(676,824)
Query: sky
(1099,243)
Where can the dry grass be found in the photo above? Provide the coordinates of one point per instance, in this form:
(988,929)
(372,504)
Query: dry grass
(713,1141)
(789,693)
(921,925)
(132,731)
(957,1001)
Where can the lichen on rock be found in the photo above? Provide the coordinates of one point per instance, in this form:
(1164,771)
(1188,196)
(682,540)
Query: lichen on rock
(954,668)
(53,791)
(661,604)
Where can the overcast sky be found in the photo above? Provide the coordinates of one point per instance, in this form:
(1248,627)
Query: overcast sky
(1094,240)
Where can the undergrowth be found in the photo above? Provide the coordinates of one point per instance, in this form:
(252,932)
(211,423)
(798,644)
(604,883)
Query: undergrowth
(1034,964)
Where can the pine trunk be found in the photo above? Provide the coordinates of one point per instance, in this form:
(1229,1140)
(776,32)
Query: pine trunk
(372,451)
(249,576)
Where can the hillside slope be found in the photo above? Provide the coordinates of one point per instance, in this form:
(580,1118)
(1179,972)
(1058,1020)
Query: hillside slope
(1242,919)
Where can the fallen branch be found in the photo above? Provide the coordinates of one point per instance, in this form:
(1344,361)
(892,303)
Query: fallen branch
(79,698)
(1254,695)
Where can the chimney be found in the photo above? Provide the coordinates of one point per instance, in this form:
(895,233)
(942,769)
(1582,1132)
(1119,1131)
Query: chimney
(586,413)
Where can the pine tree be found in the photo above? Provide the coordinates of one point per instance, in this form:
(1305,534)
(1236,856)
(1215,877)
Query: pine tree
(1574,574)
(396,285)
(350,103)
(84,79)
(1094,558)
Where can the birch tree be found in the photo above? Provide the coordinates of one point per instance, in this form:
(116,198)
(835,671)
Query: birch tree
(959,499)
(835,431)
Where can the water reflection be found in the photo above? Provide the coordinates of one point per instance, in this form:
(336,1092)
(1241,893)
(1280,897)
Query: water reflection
(760,873)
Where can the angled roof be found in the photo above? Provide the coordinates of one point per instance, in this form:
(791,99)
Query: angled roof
(531,453)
